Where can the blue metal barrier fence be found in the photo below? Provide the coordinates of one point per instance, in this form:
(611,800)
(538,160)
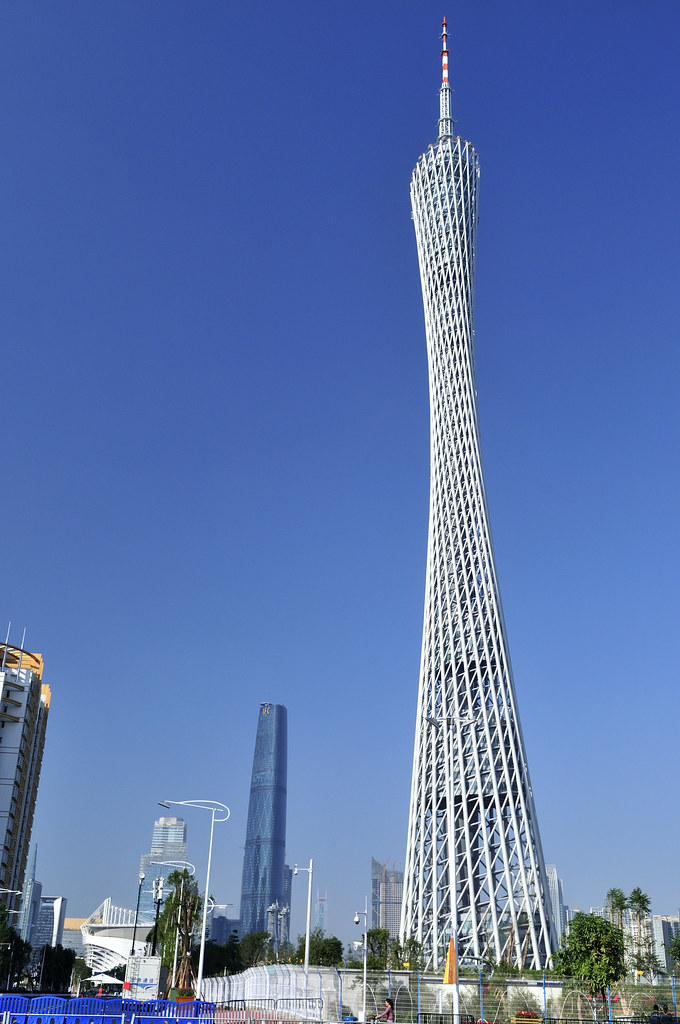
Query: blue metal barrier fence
(57,1010)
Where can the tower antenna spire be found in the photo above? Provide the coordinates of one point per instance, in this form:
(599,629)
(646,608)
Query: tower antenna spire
(445,119)
(445,53)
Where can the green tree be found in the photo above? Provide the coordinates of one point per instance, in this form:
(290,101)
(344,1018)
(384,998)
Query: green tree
(674,949)
(233,964)
(80,971)
(640,904)
(255,949)
(287,953)
(617,903)
(224,958)
(593,950)
(378,949)
(324,950)
(645,960)
(410,955)
(56,967)
(14,952)
(181,916)
(327,951)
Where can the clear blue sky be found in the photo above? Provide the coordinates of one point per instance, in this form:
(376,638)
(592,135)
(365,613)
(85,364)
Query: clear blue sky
(215,416)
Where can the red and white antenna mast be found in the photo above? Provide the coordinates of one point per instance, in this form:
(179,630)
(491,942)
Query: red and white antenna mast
(445,119)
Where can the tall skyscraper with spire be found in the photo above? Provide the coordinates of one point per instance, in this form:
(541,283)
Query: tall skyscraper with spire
(29,911)
(474,864)
(265,903)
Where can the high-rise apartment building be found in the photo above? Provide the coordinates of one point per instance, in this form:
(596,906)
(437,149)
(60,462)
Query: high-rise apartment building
(625,920)
(168,851)
(263,883)
(387,888)
(663,929)
(474,865)
(23,721)
(656,933)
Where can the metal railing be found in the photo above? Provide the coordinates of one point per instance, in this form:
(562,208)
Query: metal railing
(434,1017)
(58,1010)
(277,1008)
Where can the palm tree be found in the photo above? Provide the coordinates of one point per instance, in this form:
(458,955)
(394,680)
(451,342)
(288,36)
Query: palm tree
(617,903)
(640,903)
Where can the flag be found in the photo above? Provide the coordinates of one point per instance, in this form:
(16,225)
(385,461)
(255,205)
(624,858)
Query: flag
(451,968)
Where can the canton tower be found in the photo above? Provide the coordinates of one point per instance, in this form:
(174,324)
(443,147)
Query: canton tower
(474,865)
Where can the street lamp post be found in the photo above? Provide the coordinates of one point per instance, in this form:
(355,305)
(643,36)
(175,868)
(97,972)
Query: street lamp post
(179,912)
(7,893)
(219,812)
(218,906)
(483,962)
(310,869)
(158,899)
(356,921)
(437,723)
(142,876)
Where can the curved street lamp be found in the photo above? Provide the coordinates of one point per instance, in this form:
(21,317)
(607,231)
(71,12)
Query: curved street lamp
(7,893)
(219,812)
(177,865)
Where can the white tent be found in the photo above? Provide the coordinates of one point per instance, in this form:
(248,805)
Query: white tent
(104,979)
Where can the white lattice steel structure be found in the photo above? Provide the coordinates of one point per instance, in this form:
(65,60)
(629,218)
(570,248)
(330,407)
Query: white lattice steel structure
(474,864)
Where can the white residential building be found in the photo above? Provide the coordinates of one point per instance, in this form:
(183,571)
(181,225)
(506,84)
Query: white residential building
(24,708)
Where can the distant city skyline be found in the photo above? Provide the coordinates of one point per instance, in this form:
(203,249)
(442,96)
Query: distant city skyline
(216,411)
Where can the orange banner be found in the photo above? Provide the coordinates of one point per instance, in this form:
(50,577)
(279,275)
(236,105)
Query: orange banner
(451,968)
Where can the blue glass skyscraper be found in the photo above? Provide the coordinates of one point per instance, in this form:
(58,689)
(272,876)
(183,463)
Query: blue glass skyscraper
(168,852)
(263,862)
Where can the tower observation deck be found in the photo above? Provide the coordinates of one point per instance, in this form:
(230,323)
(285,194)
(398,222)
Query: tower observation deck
(474,865)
